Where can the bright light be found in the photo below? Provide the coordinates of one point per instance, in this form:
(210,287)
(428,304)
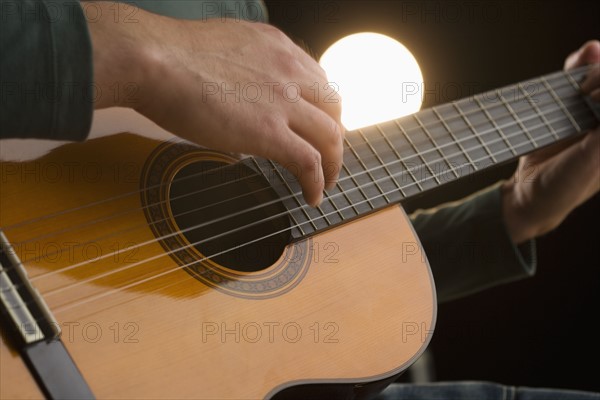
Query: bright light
(378,78)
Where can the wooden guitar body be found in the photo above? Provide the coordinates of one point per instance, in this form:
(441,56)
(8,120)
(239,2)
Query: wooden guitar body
(353,304)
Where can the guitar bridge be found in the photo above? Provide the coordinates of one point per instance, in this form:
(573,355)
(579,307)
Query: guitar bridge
(21,304)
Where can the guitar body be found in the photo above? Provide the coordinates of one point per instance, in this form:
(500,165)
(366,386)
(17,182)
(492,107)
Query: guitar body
(353,304)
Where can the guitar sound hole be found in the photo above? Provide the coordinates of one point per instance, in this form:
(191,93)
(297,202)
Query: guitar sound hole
(230,215)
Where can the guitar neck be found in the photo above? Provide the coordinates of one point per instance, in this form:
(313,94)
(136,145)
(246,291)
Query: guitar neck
(389,162)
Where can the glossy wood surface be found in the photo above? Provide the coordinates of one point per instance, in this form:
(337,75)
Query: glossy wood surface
(138,326)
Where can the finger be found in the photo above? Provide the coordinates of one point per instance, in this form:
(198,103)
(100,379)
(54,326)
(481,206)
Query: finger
(296,155)
(321,95)
(318,90)
(573,176)
(589,53)
(325,95)
(541,155)
(592,80)
(595,95)
(305,71)
(312,80)
(562,183)
(323,133)
(330,101)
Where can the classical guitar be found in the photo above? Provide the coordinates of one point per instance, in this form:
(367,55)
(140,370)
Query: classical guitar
(172,271)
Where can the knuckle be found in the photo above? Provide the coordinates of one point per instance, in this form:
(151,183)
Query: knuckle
(288,64)
(334,134)
(310,160)
(272,124)
(277,34)
(336,99)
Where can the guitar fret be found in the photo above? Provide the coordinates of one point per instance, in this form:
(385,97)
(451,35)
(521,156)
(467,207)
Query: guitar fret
(295,197)
(435,145)
(341,190)
(374,181)
(404,165)
(435,148)
(365,169)
(573,83)
(337,209)
(500,132)
(526,109)
(517,119)
(291,208)
(367,198)
(394,174)
(323,214)
(539,112)
(385,167)
(357,190)
(385,137)
(560,104)
(417,152)
(473,130)
(594,107)
(447,128)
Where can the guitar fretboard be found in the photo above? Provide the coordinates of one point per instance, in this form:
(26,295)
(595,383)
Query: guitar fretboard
(389,162)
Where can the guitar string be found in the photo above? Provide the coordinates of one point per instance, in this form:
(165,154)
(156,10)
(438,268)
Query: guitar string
(575,74)
(361,145)
(336,206)
(460,153)
(450,156)
(79,282)
(68,306)
(263,205)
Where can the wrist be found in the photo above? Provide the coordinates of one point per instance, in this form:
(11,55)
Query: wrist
(516,218)
(121,62)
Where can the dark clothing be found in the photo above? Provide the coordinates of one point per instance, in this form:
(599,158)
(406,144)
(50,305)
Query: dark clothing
(479,391)
(45,71)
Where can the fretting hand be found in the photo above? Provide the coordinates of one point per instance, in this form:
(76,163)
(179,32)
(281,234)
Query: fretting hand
(560,177)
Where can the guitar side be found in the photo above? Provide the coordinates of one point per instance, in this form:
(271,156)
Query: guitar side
(138,325)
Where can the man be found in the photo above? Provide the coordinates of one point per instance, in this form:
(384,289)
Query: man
(170,58)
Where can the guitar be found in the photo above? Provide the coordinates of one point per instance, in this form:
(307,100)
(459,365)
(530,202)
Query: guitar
(173,271)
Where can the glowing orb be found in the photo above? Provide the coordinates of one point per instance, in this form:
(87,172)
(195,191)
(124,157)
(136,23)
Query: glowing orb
(377,77)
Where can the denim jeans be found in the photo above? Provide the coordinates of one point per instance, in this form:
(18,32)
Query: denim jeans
(478,391)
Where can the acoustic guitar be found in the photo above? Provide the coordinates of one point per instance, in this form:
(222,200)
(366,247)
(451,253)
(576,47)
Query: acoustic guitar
(143,266)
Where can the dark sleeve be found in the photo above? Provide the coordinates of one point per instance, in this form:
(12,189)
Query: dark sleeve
(468,246)
(249,10)
(46,77)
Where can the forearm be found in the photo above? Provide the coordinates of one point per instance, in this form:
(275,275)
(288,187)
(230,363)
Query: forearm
(559,178)
(468,246)
(124,53)
(45,71)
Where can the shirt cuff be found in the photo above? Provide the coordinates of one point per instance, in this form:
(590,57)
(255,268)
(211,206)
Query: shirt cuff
(46,70)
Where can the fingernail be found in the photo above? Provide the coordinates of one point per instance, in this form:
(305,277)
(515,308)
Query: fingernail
(319,201)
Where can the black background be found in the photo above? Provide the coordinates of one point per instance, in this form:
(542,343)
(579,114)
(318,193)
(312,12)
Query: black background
(536,332)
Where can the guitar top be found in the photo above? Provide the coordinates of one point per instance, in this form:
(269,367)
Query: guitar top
(126,240)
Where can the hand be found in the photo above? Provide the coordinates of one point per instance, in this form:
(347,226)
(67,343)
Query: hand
(232,85)
(565,174)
